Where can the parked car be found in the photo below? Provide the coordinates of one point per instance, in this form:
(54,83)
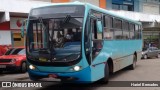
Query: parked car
(150,52)
(14,59)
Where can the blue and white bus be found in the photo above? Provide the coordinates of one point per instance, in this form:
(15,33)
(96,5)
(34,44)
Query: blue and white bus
(80,42)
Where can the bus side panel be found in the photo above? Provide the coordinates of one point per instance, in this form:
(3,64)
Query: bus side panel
(130,47)
(97,71)
(121,51)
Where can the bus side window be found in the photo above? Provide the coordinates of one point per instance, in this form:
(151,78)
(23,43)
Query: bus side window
(117,25)
(108,32)
(125,30)
(96,39)
(132,31)
(136,31)
(140,31)
(95,33)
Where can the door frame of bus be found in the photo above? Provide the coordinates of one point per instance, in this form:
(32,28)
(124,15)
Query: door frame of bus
(99,29)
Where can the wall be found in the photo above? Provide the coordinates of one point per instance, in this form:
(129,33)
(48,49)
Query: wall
(109,4)
(5,37)
(15,26)
(151,4)
(136,5)
(57,1)
(22,6)
(95,2)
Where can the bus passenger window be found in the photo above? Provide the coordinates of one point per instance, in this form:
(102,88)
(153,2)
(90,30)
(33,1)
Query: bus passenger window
(117,25)
(108,22)
(125,30)
(140,31)
(108,32)
(95,33)
(136,32)
(132,36)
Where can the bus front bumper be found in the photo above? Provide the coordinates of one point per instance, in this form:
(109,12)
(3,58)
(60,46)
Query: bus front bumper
(83,75)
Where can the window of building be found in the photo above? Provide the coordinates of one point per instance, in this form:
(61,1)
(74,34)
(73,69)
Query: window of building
(127,7)
(116,6)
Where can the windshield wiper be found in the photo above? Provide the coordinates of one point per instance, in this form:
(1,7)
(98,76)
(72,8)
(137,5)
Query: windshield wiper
(41,22)
(67,19)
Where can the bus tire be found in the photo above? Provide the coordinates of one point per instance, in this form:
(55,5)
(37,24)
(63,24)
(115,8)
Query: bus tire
(106,74)
(133,65)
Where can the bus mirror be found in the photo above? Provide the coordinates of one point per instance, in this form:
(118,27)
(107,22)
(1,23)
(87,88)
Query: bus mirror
(99,26)
(22,28)
(92,43)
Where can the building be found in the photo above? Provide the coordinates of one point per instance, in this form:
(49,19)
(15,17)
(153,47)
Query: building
(13,12)
(145,11)
(100,3)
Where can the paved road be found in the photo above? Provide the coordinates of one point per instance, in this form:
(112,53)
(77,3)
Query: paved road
(146,70)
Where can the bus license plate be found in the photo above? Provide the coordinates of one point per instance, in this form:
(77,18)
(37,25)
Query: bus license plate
(2,66)
(42,59)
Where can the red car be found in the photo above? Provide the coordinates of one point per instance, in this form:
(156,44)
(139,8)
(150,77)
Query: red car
(14,59)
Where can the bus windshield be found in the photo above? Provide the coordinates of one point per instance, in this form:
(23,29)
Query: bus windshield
(54,39)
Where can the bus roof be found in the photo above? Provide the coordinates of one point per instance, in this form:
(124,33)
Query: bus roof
(90,6)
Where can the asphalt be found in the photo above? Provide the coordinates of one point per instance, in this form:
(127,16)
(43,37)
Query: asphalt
(147,71)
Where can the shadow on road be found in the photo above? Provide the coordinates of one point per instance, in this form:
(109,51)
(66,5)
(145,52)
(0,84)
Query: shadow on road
(10,72)
(69,86)
(93,86)
(5,73)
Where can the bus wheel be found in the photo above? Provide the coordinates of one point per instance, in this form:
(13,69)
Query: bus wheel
(133,65)
(106,74)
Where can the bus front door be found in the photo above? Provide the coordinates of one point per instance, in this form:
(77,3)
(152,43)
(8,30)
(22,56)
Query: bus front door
(96,47)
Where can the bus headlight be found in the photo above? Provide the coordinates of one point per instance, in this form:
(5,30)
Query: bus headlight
(77,68)
(32,67)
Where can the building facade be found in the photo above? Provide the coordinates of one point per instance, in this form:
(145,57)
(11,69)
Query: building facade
(145,11)
(13,12)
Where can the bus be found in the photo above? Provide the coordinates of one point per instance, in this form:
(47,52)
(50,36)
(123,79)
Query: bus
(80,42)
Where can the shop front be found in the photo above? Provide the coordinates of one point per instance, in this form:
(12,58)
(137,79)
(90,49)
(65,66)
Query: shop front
(151,37)
(15,26)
